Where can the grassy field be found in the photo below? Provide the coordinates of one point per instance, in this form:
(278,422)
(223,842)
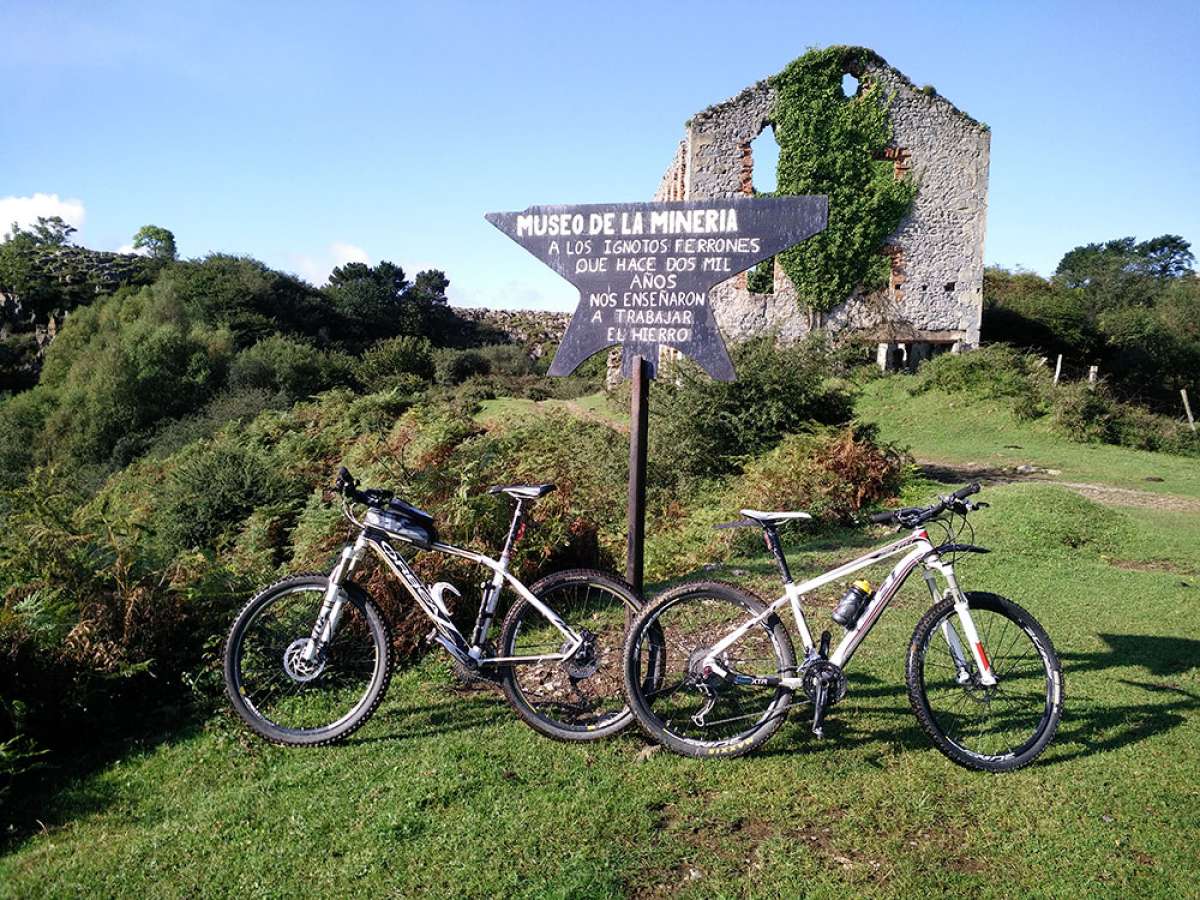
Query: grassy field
(445,792)
(956,429)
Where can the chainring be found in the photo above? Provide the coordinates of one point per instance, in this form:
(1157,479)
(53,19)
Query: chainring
(833,676)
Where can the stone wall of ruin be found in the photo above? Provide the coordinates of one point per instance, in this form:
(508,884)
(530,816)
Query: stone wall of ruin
(936,288)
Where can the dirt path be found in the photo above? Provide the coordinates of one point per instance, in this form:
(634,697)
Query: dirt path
(950,473)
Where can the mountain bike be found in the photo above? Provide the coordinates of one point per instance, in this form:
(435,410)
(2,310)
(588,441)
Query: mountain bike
(710,670)
(309,658)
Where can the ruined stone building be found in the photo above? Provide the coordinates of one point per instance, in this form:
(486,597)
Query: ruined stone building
(934,297)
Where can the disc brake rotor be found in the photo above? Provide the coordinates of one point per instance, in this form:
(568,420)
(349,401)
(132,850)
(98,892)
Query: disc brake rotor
(585,662)
(297,667)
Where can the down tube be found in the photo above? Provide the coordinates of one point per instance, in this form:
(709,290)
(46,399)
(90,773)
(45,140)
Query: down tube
(887,590)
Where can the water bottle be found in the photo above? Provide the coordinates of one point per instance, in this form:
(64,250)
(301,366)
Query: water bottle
(853,602)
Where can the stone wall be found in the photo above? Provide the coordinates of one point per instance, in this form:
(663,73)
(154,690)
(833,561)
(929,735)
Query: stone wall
(935,294)
(538,331)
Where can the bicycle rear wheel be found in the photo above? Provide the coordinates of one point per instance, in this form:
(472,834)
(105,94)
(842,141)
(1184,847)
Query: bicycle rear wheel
(996,728)
(289,700)
(577,699)
(671,698)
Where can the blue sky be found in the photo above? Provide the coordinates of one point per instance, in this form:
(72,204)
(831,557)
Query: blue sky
(308,134)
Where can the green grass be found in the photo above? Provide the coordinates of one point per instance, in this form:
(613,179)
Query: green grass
(597,406)
(954,428)
(444,793)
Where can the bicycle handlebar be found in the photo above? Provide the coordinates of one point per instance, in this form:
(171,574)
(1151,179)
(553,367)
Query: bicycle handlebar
(910,516)
(347,486)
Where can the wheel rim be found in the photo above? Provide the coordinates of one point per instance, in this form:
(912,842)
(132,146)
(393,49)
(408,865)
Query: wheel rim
(303,698)
(671,647)
(988,723)
(582,693)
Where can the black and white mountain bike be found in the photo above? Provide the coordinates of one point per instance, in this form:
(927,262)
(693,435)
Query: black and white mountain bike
(710,670)
(308,659)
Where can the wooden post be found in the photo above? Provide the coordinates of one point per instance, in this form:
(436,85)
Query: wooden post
(1187,408)
(639,407)
(1058,369)
(1092,372)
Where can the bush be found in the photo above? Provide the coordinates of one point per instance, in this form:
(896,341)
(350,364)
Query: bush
(214,486)
(286,366)
(392,359)
(507,359)
(995,372)
(1091,414)
(704,428)
(456,366)
(831,474)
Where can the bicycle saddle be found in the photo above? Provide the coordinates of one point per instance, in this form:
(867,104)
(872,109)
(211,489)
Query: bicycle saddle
(773,518)
(522,491)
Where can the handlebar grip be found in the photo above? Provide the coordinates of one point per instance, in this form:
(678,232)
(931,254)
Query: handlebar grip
(882,517)
(963,492)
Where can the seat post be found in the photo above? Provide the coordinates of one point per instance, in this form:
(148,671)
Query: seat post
(771,537)
(512,531)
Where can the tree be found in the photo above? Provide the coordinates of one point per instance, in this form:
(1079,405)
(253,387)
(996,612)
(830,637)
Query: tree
(52,231)
(1122,272)
(159,242)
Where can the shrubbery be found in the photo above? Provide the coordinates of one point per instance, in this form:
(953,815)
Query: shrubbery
(1088,413)
(829,473)
(394,361)
(995,372)
(289,367)
(704,428)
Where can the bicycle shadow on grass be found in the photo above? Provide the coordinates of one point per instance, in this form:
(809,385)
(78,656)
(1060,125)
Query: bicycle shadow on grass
(843,727)
(1089,725)
(454,712)
(1096,725)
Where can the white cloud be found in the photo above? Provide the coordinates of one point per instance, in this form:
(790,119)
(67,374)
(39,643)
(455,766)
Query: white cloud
(136,251)
(315,268)
(25,210)
(347,253)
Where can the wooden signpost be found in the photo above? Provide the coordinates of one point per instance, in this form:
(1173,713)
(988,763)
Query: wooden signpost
(644,272)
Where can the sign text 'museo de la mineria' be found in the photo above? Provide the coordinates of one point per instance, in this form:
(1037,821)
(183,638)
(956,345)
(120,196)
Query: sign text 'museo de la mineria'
(644,270)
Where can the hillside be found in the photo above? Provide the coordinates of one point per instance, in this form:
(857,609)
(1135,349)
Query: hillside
(445,791)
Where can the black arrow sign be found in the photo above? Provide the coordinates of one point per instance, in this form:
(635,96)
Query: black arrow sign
(644,270)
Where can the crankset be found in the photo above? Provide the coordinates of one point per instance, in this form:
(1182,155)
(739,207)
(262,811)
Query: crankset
(824,684)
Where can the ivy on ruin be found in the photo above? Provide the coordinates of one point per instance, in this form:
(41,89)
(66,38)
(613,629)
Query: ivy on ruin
(833,144)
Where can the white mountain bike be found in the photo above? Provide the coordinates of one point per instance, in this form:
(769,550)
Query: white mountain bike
(710,670)
(308,659)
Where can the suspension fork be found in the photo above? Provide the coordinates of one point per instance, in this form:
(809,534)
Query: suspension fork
(961,609)
(334,600)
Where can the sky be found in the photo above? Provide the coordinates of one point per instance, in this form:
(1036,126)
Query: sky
(312,134)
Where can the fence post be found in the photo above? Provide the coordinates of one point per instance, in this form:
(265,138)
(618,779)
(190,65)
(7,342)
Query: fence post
(1187,408)
(1058,368)
(1092,372)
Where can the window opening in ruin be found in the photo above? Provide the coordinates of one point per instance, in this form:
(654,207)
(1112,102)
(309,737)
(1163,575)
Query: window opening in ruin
(764,151)
(849,85)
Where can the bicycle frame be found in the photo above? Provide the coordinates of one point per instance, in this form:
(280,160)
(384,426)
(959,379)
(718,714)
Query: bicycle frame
(446,632)
(922,552)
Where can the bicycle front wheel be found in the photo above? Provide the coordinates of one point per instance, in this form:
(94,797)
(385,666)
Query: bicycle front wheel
(290,700)
(996,728)
(681,707)
(576,699)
